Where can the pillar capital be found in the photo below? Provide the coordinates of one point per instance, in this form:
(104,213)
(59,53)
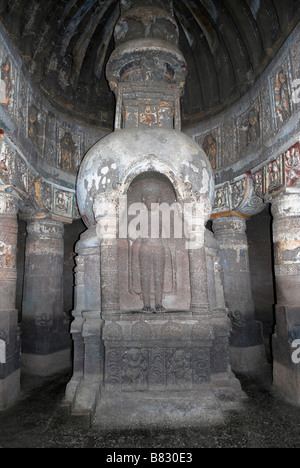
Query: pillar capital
(230,224)
(45,227)
(9,202)
(45,236)
(230,231)
(286,205)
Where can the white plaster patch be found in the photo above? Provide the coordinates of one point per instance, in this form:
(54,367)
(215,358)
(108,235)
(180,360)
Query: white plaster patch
(2,91)
(93,182)
(194,168)
(105,170)
(205,181)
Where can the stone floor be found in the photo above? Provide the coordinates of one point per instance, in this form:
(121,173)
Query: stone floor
(38,422)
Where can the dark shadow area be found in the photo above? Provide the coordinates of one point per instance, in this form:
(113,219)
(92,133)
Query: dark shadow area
(266,421)
(261,259)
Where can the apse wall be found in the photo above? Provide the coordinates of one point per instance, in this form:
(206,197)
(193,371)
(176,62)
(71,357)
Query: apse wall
(40,149)
(261,125)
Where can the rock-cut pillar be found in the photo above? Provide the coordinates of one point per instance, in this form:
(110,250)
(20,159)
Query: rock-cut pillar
(247,348)
(45,327)
(286,340)
(9,331)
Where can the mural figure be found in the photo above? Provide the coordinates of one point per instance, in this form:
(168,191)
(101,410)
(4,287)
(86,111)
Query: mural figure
(35,127)
(68,153)
(282,97)
(149,117)
(6,83)
(210,148)
(4,174)
(253,131)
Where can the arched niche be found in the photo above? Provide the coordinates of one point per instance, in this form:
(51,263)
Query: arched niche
(155,273)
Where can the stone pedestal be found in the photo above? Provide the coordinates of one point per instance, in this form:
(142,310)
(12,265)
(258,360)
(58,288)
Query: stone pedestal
(45,328)
(286,236)
(246,344)
(9,331)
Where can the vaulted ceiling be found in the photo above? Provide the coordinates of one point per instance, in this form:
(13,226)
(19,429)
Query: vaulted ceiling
(65,45)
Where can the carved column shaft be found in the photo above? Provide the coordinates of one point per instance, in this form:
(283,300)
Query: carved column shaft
(9,333)
(44,326)
(195,221)
(199,287)
(286,232)
(106,216)
(83,389)
(286,237)
(8,251)
(230,231)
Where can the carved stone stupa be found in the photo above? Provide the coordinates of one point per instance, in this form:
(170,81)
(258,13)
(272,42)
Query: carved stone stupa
(150,330)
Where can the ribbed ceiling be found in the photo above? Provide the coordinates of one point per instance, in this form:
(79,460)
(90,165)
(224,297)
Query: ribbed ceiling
(65,45)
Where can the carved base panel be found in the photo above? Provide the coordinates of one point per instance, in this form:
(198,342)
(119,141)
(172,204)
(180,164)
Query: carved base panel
(138,368)
(162,351)
(158,369)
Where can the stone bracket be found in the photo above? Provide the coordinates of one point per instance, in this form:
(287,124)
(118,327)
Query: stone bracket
(238,198)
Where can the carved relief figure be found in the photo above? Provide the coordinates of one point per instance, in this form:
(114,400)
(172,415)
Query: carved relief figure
(63,203)
(152,258)
(292,166)
(221,198)
(210,148)
(44,320)
(179,367)
(258,183)
(282,98)
(238,192)
(135,368)
(274,175)
(68,153)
